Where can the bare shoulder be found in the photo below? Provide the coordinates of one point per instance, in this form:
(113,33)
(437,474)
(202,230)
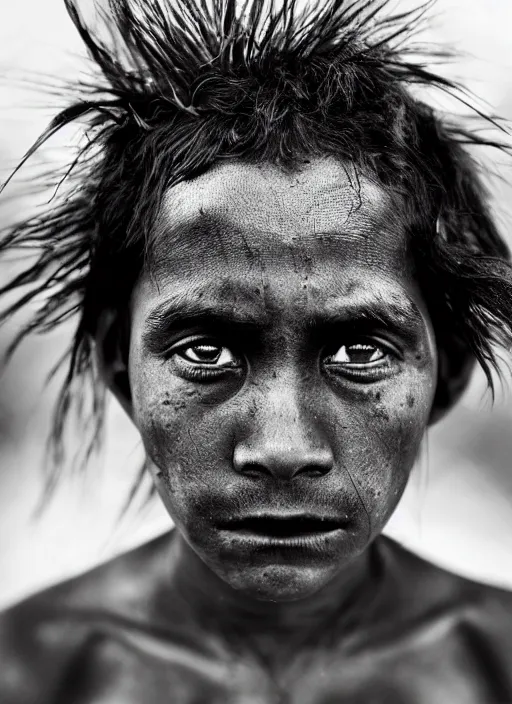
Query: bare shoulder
(41,637)
(478,613)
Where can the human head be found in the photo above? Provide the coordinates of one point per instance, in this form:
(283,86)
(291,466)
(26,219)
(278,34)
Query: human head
(185,90)
(289,377)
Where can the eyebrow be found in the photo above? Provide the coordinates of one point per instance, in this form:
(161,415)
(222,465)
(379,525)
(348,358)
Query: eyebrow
(400,315)
(175,313)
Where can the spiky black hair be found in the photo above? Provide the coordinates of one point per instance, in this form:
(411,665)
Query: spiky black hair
(180,84)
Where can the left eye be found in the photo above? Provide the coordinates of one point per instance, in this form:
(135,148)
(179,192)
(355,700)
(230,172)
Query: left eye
(208,354)
(358,355)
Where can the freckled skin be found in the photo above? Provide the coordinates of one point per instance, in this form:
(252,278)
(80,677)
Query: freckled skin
(285,425)
(284,248)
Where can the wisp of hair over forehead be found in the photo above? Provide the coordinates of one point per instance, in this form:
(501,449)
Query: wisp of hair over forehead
(177,85)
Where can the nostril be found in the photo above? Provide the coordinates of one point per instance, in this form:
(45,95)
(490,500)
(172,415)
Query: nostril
(281,461)
(254,469)
(313,471)
(282,469)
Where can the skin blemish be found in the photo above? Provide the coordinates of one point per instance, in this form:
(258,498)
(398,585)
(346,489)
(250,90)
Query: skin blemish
(243,440)
(349,289)
(382,414)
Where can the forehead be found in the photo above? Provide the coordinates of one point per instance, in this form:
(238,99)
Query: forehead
(319,198)
(305,237)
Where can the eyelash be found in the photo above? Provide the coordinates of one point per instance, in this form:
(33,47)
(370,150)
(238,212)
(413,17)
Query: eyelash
(372,371)
(197,371)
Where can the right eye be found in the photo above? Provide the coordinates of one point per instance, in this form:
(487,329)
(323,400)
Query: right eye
(203,359)
(208,354)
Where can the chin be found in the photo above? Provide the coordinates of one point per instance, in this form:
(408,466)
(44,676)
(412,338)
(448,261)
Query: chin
(280,583)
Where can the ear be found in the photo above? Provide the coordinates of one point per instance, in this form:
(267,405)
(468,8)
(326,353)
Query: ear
(112,342)
(455,366)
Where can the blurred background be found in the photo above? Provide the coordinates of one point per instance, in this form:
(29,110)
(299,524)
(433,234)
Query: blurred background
(457,510)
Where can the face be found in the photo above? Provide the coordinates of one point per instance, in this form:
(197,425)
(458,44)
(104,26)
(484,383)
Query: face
(282,370)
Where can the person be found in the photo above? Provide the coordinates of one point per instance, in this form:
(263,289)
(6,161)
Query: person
(284,266)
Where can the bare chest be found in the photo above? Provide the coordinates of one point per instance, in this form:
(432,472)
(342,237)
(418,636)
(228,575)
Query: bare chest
(142,669)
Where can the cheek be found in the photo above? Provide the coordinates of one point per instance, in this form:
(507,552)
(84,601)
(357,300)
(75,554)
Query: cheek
(386,431)
(185,440)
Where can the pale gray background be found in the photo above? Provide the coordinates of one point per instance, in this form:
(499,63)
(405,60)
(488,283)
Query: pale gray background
(458,507)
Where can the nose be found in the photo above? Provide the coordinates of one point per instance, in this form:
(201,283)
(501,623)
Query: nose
(282,461)
(284,439)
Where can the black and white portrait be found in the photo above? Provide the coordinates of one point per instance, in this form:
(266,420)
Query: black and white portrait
(256,347)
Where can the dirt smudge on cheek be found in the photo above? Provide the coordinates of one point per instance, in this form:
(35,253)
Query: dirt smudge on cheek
(395,424)
(175,403)
(161,420)
(381,413)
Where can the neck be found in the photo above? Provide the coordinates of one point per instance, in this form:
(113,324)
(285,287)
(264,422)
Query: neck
(265,626)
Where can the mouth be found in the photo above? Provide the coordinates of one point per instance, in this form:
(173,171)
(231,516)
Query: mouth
(284,527)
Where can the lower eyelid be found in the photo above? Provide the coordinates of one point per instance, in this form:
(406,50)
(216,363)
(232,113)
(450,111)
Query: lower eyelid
(383,367)
(197,370)
(205,365)
(387,358)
